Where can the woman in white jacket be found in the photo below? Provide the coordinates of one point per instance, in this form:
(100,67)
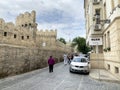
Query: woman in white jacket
(65,59)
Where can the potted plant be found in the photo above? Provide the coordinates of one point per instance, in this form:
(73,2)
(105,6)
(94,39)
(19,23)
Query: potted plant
(108,48)
(105,50)
(93,18)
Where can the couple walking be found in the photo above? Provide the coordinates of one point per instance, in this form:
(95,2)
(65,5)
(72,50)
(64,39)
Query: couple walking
(67,58)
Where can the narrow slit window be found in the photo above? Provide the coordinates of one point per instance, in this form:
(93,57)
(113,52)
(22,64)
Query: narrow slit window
(22,37)
(116,70)
(108,66)
(25,25)
(27,37)
(5,33)
(15,35)
(29,24)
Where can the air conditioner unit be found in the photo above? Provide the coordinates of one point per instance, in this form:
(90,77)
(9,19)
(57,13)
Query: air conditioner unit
(97,16)
(96,2)
(97,27)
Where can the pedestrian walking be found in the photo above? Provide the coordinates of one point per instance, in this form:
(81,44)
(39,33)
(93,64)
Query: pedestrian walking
(70,58)
(51,63)
(65,59)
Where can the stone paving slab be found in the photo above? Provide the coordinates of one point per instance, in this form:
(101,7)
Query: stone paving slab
(103,75)
(60,79)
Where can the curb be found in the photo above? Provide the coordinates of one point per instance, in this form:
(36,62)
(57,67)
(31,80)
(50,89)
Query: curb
(107,80)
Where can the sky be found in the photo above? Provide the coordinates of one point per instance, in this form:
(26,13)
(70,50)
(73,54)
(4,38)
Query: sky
(67,16)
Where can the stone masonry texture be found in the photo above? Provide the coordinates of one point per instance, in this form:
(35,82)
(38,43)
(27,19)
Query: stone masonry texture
(24,48)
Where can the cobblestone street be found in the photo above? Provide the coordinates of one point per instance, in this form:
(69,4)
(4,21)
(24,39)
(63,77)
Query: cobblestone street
(60,79)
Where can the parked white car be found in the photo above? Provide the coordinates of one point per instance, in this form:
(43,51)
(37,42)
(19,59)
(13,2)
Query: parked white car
(80,64)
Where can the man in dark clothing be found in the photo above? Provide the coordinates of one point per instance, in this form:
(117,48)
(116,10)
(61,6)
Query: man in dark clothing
(51,62)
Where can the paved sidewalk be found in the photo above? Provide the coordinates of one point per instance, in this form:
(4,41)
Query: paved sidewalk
(103,75)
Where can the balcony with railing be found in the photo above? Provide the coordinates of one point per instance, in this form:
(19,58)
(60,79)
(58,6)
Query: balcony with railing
(96,29)
(114,14)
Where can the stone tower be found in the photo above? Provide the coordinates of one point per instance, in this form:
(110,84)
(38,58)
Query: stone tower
(27,21)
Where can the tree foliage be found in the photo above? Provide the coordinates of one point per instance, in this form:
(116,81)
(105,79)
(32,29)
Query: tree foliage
(62,40)
(80,44)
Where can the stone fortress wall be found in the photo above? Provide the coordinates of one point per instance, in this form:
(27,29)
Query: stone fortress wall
(24,48)
(24,32)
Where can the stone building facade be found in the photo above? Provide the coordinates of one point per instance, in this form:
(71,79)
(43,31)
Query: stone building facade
(23,47)
(102,21)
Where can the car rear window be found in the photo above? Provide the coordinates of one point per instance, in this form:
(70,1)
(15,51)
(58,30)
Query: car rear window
(79,60)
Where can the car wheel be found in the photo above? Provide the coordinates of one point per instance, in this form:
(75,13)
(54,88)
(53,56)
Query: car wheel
(87,73)
(70,70)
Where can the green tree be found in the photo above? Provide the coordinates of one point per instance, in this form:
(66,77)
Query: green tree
(62,40)
(80,44)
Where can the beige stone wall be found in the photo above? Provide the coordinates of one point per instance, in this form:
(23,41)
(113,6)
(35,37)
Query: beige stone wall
(47,37)
(109,31)
(112,67)
(97,60)
(26,19)
(25,33)
(24,48)
(22,36)
(15,59)
(112,57)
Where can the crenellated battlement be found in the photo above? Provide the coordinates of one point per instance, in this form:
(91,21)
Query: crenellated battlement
(26,19)
(6,25)
(24,32)
(2,21)
(24,48)
(47,32)
(10,25)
